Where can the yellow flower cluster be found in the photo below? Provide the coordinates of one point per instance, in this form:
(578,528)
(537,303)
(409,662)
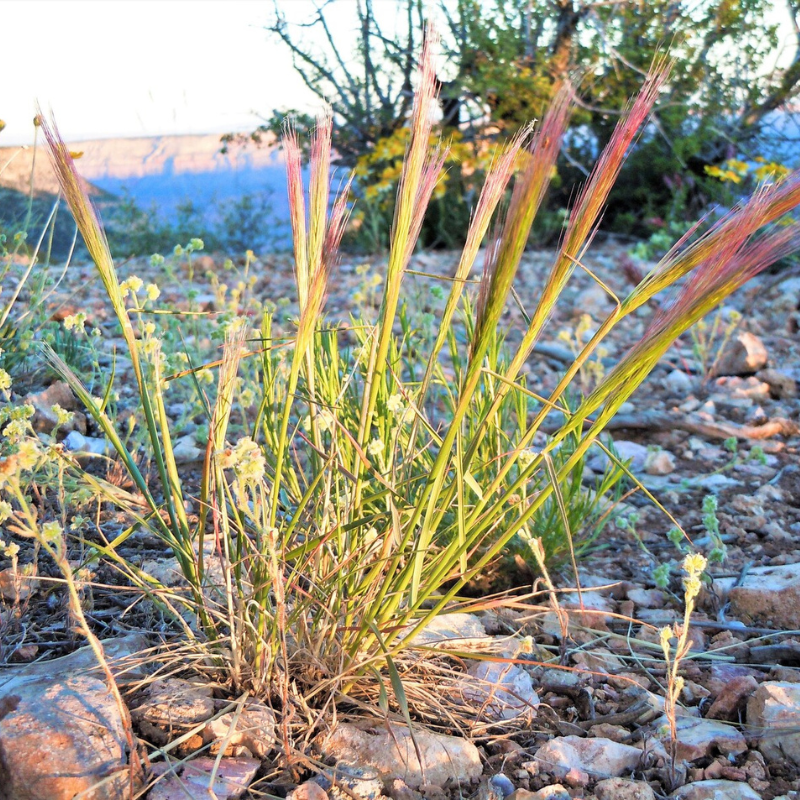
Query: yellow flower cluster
(735,170)
(75,321)
(134,285)
(379,170)
(131,285)
(694,566)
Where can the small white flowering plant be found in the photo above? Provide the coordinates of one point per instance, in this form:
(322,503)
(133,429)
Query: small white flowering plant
(694,566)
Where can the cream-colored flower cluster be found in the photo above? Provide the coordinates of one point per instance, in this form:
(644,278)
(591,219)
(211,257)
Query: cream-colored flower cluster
(246,460)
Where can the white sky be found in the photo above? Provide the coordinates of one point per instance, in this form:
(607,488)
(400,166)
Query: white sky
(144,67)
(147,67)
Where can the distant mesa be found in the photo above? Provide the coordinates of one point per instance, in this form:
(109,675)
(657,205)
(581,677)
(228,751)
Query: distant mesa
(159,169)
(15,172)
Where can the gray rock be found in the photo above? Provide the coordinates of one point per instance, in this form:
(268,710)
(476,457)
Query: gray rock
(678,383)
(78,443)
(593,301)
(781,383)
(744,354)
(501,785)
(627,451)
(121,654)
(44,418)
(773,711)
(392,753)
(790,291)
(347,780)
(716,790)
(498,689)
(561,681)
(595,758)
(714,483)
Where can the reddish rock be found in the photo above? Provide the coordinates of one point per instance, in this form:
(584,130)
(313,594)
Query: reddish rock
(61,731)
(309,790)
(768,596)
(732,698)
(699,738)
(58,740)
(598,758)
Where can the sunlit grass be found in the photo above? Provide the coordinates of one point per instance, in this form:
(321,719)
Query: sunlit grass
(345,514)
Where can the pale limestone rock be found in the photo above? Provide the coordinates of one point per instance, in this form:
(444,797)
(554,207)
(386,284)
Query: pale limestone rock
(646,598)
(451,630)
(659,462)
(254,729)
(499,690)
(622,789)
(197,779)
(553,792)
(78,443)
(186,451)
(744,354)
(597,758)
(773,711)
(392,753)
(716,790)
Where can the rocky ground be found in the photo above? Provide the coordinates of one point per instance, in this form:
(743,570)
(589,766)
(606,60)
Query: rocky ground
(589,724)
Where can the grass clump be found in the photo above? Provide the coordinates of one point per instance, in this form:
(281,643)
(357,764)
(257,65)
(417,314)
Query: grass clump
(367,485)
